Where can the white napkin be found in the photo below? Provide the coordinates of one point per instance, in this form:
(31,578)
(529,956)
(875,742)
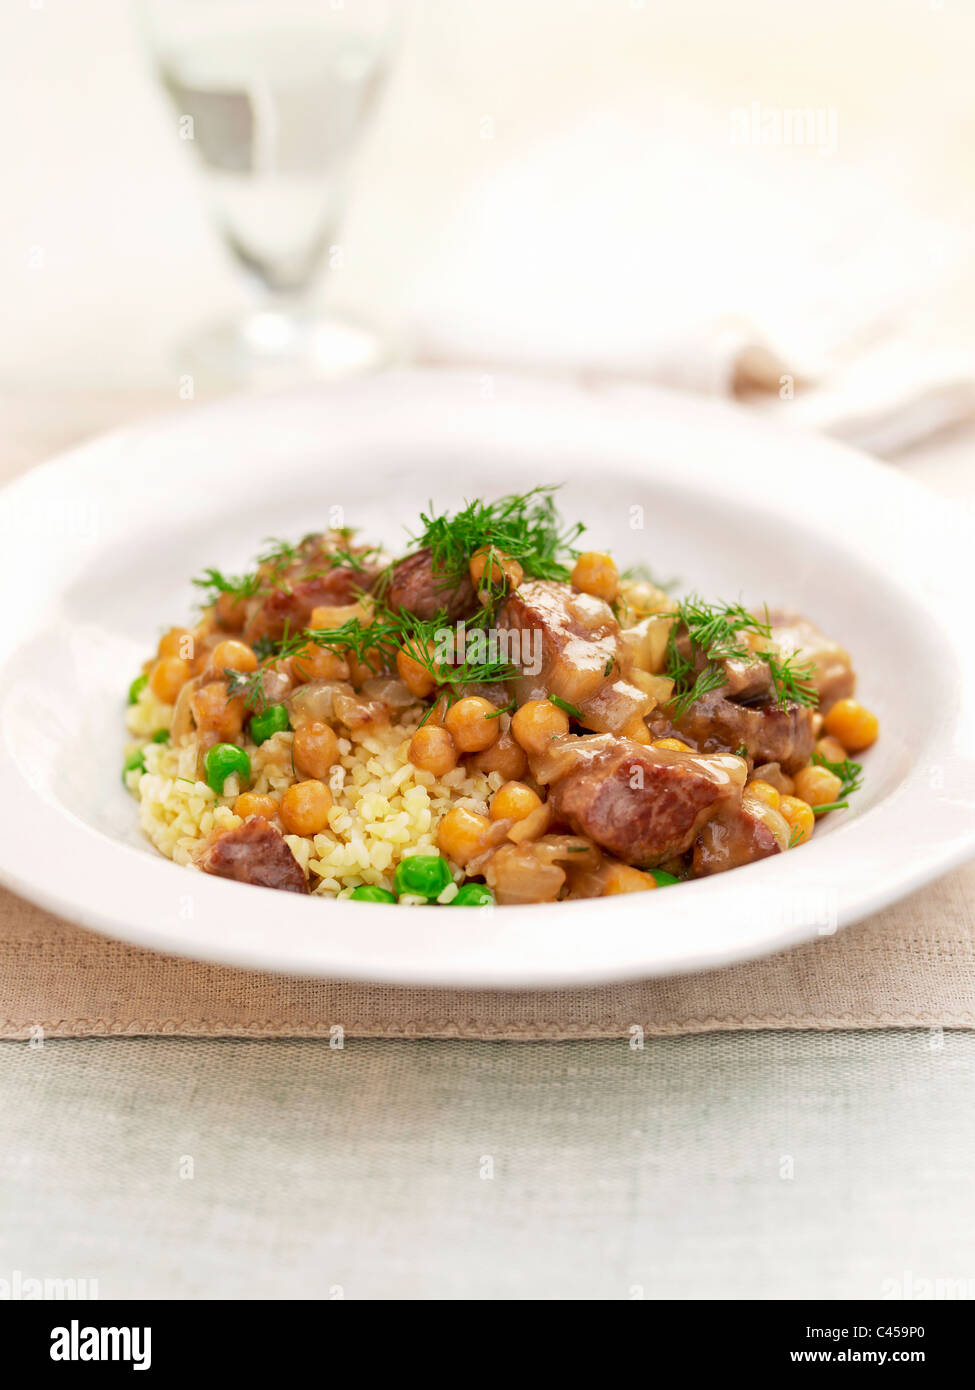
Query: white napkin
(676,248)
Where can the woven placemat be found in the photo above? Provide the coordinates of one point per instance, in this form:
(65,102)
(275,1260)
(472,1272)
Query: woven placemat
(911,966)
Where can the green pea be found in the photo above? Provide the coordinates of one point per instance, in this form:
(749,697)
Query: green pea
(422,875)
(137,687)
(273,720)
(368,893)
(472,895)
(222,761)
(663,877)
(136,760)
(161,736)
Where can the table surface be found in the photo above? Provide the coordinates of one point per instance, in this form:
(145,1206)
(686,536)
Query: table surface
(734,1165)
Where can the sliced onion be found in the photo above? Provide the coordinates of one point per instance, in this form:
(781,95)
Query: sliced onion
(314,702)
(391,691)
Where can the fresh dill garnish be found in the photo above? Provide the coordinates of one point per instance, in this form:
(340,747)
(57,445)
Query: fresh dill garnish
(705,635)
(792,681)
(795,836)
(238,586)
(504,709)
(849,774)
(608,668)
(565,706)
(644,575)
(352,559)
(374,643)
(282,553)
(250,685)
(524,525)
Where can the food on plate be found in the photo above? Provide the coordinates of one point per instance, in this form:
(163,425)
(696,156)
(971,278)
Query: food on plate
(493,716)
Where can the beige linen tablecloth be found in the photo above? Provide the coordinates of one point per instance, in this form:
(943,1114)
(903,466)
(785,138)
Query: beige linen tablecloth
(911,966)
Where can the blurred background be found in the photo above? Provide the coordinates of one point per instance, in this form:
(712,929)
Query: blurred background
(761,199)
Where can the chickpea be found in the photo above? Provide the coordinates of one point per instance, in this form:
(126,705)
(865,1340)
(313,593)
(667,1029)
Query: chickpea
(472,723)
(505,569)
(319,664)
(673,745)
(254,804)
(231,655)
(537,723)
(168,677)
(178,641)
(462,834)
(230,613)
(418,680)
(432,750)
(596,573)
(818,785)
(506,756)
(799,817)
(623,878)
(831,749)
(215,714)
(514,801)
(315,749)
(764,791)
(853,724)
(305,807)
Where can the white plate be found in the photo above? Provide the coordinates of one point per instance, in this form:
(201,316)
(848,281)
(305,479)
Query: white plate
(99,547)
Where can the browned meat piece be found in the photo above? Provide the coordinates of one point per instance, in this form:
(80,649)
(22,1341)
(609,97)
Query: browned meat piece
(569,646)
(417,588)
(290,606)
(768,733)
(577,635)
(254,853)
(747,679)
(642,804)
(833,673)
(738,836)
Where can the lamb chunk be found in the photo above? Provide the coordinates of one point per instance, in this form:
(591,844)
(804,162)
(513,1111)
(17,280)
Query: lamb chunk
(768,733)
(570,646)
(416,587)
(747,679)
(289,607)
(833,673)
(254,853)
(738,836)
(641,804)
(577,635)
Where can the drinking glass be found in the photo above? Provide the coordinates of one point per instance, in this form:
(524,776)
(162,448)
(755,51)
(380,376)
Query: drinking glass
(273,96)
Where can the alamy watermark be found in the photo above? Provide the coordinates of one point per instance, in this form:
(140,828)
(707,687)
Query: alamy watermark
(23,1288)
(494,645)
(809,127)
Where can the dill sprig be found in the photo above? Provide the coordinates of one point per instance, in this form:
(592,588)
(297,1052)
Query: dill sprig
(643,574)
(281,554)
(719,632)
(375,644)
(239,586)
(524,525)
(565,707)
